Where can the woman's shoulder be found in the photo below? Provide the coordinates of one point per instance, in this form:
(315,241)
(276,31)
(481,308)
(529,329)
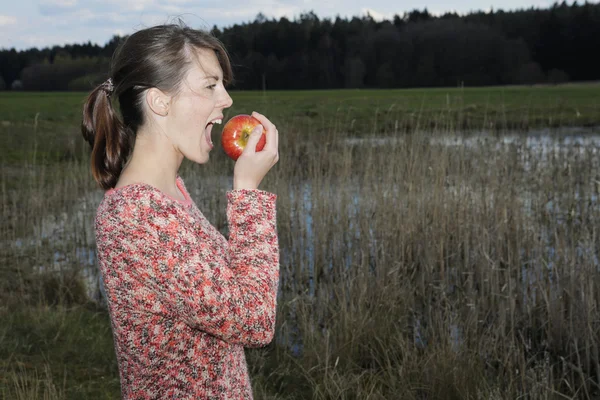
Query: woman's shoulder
(136,202)
(136,194)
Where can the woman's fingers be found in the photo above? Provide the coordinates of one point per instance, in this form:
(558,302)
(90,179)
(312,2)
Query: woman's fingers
(253,140)
(271,131)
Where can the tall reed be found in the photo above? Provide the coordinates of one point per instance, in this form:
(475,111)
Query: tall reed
(420,265)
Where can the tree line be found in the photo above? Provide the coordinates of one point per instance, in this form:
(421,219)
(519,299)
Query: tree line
(416,49)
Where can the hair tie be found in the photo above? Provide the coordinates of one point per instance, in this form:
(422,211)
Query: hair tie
(108,86)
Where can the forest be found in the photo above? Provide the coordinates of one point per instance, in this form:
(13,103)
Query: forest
(416,49)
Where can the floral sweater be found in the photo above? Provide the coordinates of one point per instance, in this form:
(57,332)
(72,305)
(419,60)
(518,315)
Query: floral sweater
(183,300)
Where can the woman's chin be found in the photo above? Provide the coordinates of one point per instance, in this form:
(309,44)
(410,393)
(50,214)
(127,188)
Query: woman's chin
(200,157)
(202,160)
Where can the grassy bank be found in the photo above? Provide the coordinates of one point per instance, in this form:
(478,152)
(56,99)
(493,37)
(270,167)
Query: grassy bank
(54,116)
(368,111)
(410,270)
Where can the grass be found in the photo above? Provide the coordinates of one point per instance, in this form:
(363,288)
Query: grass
(54,116)
(411,270)
(369,111)
(58,352)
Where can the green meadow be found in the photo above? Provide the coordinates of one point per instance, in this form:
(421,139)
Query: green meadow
(355,112)
(435,244)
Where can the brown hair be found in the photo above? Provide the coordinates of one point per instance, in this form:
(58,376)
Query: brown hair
(158,57)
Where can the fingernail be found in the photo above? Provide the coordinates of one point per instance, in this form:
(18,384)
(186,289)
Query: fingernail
(257,130)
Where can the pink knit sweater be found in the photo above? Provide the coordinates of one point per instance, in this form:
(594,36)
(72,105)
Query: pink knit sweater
(183,300)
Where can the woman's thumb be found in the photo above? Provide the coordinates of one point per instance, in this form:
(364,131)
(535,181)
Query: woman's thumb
(253,139)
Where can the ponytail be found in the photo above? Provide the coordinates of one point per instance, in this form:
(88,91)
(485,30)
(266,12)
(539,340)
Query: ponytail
(110,140)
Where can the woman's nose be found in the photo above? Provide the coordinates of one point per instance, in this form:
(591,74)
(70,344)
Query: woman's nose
(226,101)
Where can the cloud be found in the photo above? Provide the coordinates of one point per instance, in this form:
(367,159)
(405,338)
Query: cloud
(6,20)
(132,5)
(171,9)
(41,41)
(68,19)
(57,7)
(180,2)
(60,3)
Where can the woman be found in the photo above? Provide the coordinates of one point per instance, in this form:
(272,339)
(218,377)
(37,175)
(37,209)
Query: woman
(183,300)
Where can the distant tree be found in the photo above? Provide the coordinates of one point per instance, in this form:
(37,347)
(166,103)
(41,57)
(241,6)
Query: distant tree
(385,76)
(17,85)
(494,47)
(530,74)
(398,21)
(57,76)
(2,83)
(557,76)
(260,18)
(355,72)
(418,16)
(111,46)
(11,64)
(86,82)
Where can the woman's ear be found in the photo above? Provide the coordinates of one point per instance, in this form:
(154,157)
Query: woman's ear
(158,102)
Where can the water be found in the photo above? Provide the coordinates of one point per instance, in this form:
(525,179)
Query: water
(541,147)
(64,230)
(546,138)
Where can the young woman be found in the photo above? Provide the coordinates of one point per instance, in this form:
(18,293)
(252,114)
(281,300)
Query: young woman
(183,300)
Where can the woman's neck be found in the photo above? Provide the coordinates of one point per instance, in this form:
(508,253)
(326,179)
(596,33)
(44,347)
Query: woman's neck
(155,163)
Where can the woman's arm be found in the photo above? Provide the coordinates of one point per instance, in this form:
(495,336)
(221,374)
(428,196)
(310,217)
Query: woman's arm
(236,301)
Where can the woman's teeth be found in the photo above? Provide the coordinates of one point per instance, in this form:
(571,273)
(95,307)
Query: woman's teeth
(209,131)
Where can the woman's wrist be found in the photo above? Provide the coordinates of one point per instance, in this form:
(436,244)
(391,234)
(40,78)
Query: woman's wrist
(243,185)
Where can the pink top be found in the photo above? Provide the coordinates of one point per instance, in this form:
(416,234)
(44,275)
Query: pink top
(183,300)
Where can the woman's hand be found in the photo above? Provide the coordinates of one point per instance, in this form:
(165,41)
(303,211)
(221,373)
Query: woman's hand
(252,166)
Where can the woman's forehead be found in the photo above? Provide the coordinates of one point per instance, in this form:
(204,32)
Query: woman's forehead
(206,65)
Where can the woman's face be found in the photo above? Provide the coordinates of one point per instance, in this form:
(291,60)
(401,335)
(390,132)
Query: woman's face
(197,107)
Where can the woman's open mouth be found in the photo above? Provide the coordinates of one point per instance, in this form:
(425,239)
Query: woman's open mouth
(208,130)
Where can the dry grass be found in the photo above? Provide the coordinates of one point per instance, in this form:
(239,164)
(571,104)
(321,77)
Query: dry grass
(410,270)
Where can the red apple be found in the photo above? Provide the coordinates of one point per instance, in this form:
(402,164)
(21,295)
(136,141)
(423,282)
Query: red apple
(236,133)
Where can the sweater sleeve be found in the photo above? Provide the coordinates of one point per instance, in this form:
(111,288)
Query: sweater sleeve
(236,300)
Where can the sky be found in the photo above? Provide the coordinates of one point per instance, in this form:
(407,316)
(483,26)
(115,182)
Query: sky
(44,23)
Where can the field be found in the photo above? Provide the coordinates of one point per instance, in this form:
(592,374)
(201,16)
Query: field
(435,244)
(355,112)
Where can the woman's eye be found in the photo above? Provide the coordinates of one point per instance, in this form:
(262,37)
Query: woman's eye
(212,87)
